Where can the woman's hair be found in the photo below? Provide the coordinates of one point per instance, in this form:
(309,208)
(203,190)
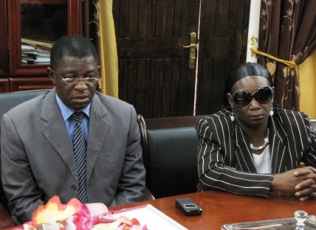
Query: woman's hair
(72,46)
(245,70)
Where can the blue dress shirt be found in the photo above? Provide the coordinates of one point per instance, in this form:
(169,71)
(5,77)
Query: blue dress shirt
(70,124)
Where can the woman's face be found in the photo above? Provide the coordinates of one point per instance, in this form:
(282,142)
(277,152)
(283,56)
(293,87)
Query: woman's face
(254,114)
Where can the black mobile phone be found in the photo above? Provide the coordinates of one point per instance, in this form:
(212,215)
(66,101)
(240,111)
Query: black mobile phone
(188,207)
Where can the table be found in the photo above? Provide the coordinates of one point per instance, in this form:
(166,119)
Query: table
(221,208)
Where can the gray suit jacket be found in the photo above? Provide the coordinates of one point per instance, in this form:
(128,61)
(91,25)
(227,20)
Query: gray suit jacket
(37,160)
(225,161)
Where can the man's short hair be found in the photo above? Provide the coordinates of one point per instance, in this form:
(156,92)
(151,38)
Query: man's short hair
(72,46)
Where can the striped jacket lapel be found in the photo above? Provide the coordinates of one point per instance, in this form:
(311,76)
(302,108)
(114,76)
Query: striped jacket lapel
(243,153)
(278,147)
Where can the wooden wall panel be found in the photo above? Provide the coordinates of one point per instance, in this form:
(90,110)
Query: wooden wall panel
(4,67)
(20,84)
(4,85)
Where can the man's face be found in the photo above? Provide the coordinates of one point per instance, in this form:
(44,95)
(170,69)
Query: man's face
(255,113)
(79,94)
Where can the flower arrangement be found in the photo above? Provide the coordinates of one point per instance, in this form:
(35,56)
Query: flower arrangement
(77,216)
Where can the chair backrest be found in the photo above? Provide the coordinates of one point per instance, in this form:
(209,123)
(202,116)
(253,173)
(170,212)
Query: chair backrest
(171,122)
(170,158)
(8,101)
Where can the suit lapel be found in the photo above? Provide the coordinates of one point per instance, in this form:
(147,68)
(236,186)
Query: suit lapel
(243,153)
(98,130)
(278,147)
(54,129)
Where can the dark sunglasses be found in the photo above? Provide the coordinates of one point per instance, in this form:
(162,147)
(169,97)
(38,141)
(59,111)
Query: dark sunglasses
(262,95)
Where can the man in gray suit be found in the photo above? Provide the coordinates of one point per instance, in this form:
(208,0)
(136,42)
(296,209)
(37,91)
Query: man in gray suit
(37,156)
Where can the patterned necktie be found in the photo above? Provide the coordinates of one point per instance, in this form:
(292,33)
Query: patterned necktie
(80,152)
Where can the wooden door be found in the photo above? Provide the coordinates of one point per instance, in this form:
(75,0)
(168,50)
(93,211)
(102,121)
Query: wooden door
(223,44)
(154,73)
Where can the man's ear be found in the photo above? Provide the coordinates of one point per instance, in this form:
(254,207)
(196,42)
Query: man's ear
(99,69)
(230,100)
(50,73)
(99,72)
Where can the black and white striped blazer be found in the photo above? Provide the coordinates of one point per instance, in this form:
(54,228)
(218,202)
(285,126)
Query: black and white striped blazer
(225,161)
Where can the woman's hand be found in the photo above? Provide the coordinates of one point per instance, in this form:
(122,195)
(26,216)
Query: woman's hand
(306,189)
(301,182)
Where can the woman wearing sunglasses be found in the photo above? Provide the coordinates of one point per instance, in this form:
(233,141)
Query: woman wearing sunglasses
(253,147)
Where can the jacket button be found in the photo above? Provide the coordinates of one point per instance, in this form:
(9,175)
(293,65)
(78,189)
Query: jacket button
(73,187)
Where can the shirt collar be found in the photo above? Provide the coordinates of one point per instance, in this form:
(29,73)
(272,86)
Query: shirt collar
(66,112)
